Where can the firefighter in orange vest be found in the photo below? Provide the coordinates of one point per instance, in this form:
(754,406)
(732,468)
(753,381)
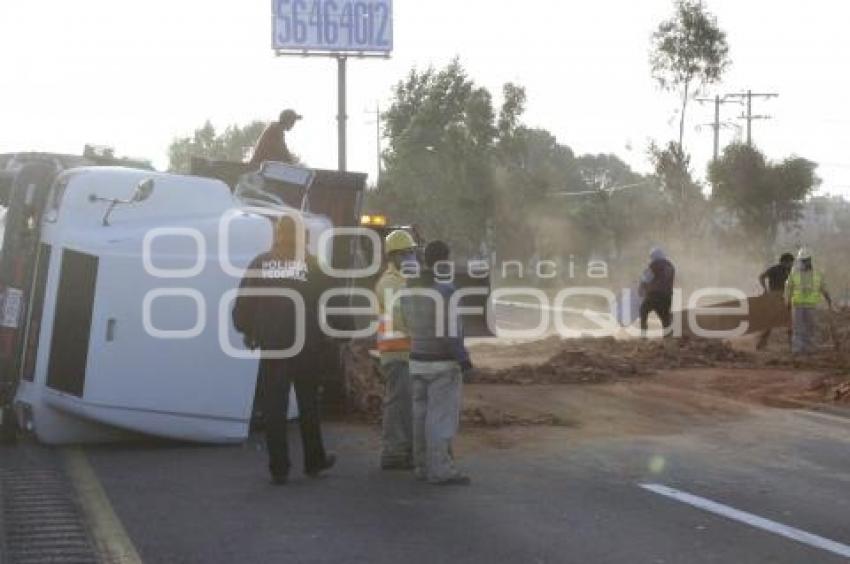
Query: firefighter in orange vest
(394,351)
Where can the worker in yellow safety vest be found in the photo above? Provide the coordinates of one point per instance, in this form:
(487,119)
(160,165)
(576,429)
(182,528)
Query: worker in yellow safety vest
(394,351)
(803,293)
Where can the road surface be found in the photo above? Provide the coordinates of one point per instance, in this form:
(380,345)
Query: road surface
(753,484)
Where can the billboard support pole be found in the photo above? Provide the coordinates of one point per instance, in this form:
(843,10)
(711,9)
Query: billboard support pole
(341,113)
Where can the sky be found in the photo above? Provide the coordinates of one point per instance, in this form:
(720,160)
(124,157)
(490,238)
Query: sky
(134,75)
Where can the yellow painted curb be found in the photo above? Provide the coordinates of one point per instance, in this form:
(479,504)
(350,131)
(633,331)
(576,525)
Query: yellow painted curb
(112,541)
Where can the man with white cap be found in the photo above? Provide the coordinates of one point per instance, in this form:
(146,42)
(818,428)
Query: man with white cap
(803,292)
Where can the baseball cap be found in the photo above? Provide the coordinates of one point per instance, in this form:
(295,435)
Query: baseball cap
(290,114)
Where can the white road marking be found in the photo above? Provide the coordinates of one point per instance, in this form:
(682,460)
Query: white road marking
(752,520)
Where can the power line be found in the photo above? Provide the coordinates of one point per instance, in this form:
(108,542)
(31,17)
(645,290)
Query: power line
(749,117)
(718,101)
(611,190)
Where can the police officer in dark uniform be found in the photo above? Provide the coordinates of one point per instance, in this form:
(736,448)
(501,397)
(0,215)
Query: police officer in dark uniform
(271,323)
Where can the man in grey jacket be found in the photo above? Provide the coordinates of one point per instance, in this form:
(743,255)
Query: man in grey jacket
(438,359)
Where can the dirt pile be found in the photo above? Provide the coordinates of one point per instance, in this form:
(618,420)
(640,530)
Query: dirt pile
(841,393)
(489,416)
(823,377)
(833,329)
(589,361)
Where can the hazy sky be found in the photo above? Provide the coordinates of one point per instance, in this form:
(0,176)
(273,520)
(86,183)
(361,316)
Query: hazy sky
(135,74)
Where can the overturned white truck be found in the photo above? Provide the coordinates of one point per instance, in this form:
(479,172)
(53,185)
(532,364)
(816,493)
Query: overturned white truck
(117,285)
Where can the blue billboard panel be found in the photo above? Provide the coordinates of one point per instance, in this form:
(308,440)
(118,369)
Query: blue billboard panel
(362,26)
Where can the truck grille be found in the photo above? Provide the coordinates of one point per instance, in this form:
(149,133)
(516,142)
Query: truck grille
(40,520)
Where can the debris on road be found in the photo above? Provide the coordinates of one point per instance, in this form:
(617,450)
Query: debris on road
(784,378)
(590,361)
(834,328)
(841,393)
(489,416)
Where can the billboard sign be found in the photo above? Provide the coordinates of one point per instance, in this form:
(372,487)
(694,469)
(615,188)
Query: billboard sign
(333,26)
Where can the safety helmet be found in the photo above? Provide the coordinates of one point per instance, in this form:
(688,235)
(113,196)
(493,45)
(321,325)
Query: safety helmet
(804,254)
(657,253)
(399,240)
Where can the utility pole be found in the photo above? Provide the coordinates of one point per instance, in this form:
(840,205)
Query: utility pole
(748,96)
(378,142)
(341,117)
(377,122)
(716,125)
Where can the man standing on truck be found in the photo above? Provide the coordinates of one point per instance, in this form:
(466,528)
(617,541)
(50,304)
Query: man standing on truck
(656,288)
(272,143)
(803,293)
(438,360)
(394,352)
(272,324)
(773,281)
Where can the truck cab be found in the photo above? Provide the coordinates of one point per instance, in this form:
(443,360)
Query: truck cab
(117,285)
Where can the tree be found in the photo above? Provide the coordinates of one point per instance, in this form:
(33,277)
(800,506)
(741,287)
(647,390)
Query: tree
(513,106)
(532,167)
(688,48)
(232,145)
(761,194)
(673,169)
(615,214)
(469,175)
(673,172)
(441,134)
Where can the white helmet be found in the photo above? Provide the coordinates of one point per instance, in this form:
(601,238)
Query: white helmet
(804,254)
(657,253)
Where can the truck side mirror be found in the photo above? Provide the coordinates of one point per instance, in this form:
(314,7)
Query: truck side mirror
(143,190)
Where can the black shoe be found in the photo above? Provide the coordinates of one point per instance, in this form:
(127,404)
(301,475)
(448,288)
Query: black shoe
(280,479)
(330,460)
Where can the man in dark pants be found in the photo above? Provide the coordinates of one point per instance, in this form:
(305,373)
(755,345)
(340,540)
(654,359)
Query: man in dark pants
(656,287)
(773,280)
(271,324)
(276,379)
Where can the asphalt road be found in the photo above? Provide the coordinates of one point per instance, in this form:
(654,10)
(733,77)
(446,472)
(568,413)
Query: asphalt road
(544,495)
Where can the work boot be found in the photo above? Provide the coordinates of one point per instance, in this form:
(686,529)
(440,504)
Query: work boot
(330,460)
